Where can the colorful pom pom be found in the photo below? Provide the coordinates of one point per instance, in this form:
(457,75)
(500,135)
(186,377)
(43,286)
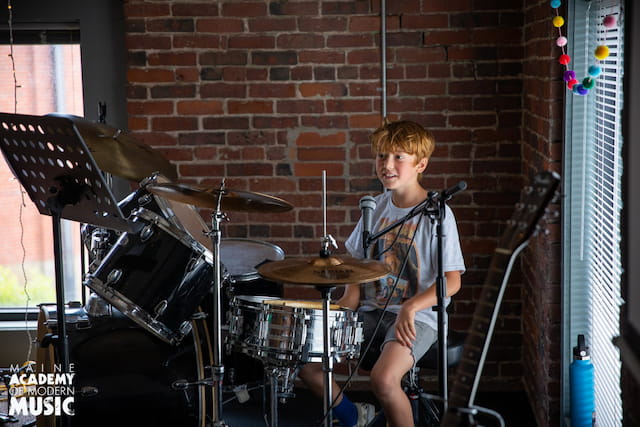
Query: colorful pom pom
(609,21)
(569,75)
(594,70)
(588,83)
(601,52)
(561,41)
(564,59)
(580,90)
(571,83)
(555,4)
(558,21)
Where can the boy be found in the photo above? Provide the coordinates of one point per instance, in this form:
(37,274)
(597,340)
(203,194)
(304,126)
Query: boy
(409,325)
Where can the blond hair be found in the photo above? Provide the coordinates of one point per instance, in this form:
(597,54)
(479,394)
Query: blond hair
(405,136)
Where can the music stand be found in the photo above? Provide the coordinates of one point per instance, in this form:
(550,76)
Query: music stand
(51,161)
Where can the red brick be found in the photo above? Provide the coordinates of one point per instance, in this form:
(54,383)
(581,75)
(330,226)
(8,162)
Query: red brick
(264,122)
(223,90)
(321,57)
(174,123)
(300,41)
(347,105)
(194,9)
(342,41)
(145,41)
(370,121)
(321,154)
(299,106)
(322,89)
(363,56)
(192,41)
(322,24)
(272,90)
(315,169)
(172,58)
(317,139)
(251,42)
(262,25)
(194,170)
(150,108)
(249,107)
(244,9)
(199,107)
(191,74)
(430,21)
(146,10)
(421,55)
(150,75)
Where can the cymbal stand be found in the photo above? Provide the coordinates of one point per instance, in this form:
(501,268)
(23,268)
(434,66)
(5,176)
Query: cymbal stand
(327,241)
(217,370)
(280,388)
(327,358)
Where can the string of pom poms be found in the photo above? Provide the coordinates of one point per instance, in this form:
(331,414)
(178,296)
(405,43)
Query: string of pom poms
(601,52)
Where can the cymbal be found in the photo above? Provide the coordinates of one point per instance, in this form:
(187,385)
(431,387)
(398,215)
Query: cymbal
(321,271)
(118,153)
(232,200)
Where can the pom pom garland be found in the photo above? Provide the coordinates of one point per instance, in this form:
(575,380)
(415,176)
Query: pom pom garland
(569,75)
(601,52)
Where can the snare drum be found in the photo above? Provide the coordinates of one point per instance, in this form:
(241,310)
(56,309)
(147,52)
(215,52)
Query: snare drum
(288,332)
(243,319)
(156,276)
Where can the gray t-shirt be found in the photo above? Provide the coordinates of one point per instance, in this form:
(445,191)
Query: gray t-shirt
(421,269)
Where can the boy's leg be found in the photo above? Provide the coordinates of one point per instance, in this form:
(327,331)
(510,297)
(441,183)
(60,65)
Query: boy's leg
(312,374)
(386,381)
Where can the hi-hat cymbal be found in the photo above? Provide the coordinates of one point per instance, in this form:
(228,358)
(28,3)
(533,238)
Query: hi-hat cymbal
(118,153)
(231,200)
(321,271)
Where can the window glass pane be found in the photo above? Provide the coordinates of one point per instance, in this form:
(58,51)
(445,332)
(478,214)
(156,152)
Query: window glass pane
(49,80)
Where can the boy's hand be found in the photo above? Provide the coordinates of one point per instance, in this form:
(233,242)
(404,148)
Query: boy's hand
(405,326)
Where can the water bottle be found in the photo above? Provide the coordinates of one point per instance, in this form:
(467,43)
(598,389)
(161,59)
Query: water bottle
(582,398)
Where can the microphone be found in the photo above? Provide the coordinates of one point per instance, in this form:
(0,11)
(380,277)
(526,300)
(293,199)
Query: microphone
(367,205)
(446,194)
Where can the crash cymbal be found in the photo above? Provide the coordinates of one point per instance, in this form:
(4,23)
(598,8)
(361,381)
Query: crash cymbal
(321,271)
(232,200)
(118,153)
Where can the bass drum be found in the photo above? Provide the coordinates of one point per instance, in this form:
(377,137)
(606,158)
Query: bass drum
(125,376)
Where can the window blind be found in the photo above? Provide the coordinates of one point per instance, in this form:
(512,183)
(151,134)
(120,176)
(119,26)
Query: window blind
(592,277)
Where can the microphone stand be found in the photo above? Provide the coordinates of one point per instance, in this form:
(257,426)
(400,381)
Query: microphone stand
(434,206)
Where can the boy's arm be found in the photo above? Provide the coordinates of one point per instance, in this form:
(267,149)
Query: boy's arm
(350,298)
(405,328)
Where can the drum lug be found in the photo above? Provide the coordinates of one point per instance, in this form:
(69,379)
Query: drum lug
(114,276)
(146,233)
(144,199)
(160,308)
(185,328)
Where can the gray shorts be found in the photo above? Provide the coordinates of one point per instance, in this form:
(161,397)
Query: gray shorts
(426,336)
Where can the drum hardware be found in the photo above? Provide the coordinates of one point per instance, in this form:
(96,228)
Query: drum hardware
(325,272)
(219,199)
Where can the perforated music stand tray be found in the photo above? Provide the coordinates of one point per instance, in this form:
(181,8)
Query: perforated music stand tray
(52,162)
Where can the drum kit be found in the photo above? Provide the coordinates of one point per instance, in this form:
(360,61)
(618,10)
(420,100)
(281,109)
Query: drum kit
(166,272)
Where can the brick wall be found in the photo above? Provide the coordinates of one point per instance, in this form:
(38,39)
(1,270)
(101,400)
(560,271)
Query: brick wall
(542,150)
(268,94)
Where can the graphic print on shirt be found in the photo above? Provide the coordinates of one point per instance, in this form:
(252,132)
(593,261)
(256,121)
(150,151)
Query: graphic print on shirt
(408,280)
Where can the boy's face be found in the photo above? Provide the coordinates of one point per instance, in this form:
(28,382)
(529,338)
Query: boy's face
(398,170)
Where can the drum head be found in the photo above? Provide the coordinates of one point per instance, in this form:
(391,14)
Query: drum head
(241,257)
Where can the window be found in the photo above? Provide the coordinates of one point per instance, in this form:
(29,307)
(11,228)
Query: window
(49,80)
(592,170)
